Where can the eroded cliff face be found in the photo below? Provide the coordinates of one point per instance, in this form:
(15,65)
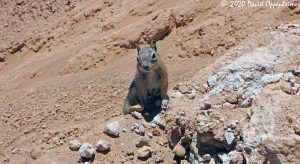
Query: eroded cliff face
(249,110)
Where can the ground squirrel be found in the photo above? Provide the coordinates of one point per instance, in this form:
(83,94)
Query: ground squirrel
(150,84)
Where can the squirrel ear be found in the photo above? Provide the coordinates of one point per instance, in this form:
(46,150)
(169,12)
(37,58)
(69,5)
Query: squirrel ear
(138,48)
(153,45)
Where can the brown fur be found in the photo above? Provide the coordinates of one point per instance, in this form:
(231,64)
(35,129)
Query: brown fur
(148,86)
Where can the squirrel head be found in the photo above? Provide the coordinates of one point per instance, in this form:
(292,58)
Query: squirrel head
(147,58)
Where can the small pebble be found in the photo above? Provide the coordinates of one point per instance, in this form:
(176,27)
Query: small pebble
(103,145)
(74,145)
(179,150)
(112,128)
(144,152)
(142,141)
(87,151)
(159,157)
(136,115)
(206,157)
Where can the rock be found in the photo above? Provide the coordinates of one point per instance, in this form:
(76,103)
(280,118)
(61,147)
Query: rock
(136,115)
(144,152)
(17,48)
(194,151)
(235,157)
(192,95)
(181,122)
(103,145)
(233,124)
(2,57)
(292,5)
(164,104)
(138,129)
(229,136)
(156,132)
(87,151)
(212,81)
(285,87)
(150,135)
(158,121)
(224,157)
(136,108)
(268,78)
(74,145)
(231,98)
(183,162)
(212,161)
(131,157)
(205,105)
(246,103)
(153,125)
(206,157)
(202,88)
(296,71)
(227,105)
(288,76)
(176,94)
(130,151)
(296,87)
(112,129)
(159,157)
(183,89)
(142,141)
(276,77)
(79,159)
(34,153)
(179,150)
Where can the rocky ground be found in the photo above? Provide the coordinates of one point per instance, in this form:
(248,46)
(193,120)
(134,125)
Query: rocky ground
(66,65)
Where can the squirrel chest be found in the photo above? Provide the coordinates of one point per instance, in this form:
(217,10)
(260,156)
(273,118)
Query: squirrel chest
(148,85)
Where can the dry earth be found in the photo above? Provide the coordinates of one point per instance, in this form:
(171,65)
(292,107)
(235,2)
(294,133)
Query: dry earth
(65,68)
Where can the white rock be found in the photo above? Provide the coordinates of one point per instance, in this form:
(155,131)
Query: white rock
(229,136)
(136,115)
(206,157)
(74,145)
(112,128)
(144,152)
(288,76)
(235,157)
(142,141)
(158,121)
(192,95)
(266,79)
(87,151)
(159,157)
(176,94)
(212,80)
(124,130)
(138,129)
(224,157)
(164,104)
(150,135)
(103,145)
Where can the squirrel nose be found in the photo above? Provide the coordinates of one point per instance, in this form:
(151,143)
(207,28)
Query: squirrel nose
(146,67)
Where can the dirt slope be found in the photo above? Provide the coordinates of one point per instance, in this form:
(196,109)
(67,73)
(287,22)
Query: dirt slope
(65,68)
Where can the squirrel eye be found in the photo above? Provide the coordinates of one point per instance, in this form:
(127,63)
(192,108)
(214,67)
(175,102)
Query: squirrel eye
(153,56)
(137,59)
